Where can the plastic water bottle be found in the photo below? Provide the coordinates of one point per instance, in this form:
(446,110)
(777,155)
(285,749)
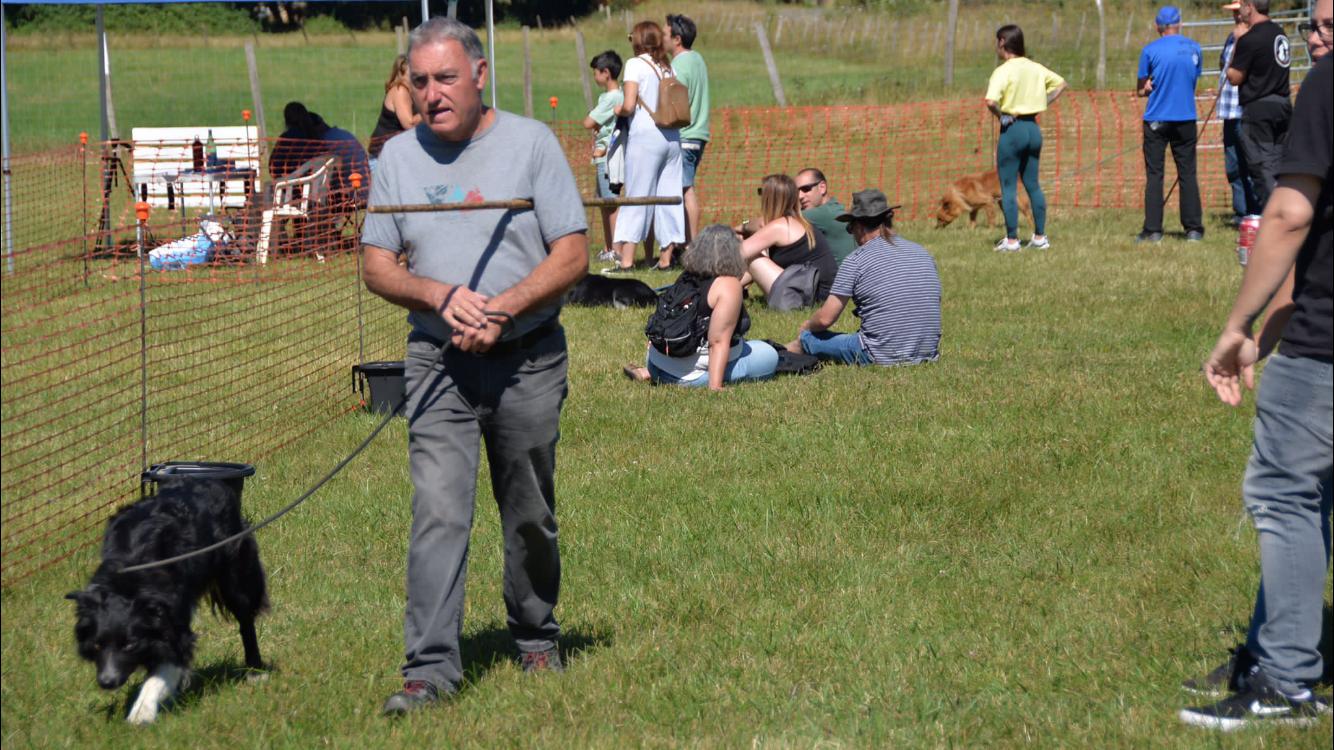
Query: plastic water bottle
(1246,231)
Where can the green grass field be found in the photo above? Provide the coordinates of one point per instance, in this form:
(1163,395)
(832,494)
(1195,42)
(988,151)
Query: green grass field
(1028,543)
(834,56)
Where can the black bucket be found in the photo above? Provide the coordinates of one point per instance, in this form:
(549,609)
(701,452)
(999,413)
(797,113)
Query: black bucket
(232,474)
(385,382)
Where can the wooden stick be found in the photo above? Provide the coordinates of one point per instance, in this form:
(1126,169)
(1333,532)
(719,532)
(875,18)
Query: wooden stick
(645,201)
(516,205)
(774,80)
(951,33)
(582,64)
(527,76)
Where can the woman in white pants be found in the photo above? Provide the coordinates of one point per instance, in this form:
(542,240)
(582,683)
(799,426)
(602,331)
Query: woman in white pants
(652,156)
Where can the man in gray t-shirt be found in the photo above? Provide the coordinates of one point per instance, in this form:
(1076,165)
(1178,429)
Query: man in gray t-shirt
(486,359)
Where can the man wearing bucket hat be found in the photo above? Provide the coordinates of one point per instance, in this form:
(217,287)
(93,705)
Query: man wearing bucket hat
(1169,66)
(895,286)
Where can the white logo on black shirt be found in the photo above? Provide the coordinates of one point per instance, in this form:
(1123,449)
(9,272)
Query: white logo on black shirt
(1282,52)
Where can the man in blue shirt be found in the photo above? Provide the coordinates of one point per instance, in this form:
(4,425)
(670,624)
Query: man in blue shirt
(1168,69)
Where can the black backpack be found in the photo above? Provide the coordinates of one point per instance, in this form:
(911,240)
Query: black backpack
(676,328)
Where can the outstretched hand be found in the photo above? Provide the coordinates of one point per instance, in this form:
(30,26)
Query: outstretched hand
(1231,364)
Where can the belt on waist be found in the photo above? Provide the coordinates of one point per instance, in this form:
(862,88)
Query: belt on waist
(1026,118)
(500,347)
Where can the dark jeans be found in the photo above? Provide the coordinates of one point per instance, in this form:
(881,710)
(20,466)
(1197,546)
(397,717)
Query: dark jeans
(1234,164)
(510,402)
(1181,136)
(1264,130)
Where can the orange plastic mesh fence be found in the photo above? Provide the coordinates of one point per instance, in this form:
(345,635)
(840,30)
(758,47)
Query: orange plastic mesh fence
(1090,158)
(237,358)
(233,338)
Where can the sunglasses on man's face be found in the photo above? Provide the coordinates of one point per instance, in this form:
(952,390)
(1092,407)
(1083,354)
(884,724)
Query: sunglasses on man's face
(807,188)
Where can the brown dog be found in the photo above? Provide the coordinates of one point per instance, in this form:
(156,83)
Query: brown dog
(972,193)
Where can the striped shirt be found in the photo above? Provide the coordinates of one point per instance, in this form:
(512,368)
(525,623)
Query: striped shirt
(897,292)
(1229,104)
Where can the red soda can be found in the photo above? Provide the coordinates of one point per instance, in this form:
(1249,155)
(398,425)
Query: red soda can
(1246,231)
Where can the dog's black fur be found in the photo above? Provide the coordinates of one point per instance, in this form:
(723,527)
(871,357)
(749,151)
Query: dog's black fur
(599,291)
(142,618)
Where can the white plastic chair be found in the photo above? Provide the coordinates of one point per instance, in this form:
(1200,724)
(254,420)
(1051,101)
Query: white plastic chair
(297,195)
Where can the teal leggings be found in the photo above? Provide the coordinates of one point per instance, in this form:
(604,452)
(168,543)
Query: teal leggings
(1017,155)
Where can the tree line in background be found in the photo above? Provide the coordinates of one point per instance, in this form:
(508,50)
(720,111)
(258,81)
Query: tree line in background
(247,18)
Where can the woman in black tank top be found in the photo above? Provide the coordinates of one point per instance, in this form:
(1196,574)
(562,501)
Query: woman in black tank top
(396,111)
(786,240)
(714,266)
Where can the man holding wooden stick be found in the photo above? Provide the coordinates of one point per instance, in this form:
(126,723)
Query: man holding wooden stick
(483,290)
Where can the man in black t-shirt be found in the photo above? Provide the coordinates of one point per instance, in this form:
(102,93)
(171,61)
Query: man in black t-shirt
(1288,482)
(1259,70)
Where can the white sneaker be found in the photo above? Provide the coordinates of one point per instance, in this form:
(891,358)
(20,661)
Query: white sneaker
(607,255)
(1038,242)
(1007,245)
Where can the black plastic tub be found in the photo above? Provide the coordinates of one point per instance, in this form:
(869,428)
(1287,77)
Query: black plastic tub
(384,381)
(232,474)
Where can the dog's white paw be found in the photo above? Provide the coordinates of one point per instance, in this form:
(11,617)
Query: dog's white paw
(157,688)
(143,712)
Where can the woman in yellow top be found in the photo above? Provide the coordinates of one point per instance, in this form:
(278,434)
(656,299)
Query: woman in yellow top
(1019,89)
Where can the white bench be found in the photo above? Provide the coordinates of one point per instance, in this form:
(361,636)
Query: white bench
(164,169)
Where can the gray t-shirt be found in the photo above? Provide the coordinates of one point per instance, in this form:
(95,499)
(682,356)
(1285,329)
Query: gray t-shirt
(488,250)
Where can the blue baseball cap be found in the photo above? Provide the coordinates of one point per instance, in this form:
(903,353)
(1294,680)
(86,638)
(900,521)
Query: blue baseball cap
(1169,15)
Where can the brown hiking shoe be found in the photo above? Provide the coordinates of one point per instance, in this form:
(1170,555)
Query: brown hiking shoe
(414,695)
(541,661)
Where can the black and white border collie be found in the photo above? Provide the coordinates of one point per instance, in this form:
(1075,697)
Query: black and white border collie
(599,291)
(142,618)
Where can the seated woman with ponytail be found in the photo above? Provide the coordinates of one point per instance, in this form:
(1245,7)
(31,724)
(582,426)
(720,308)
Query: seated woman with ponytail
(787,257)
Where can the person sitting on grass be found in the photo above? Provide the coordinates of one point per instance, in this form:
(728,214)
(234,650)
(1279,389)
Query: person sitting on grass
(895,286)
(713,259)
(787,257)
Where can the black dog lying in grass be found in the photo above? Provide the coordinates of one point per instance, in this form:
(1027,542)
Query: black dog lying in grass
(599,291)
(142,618)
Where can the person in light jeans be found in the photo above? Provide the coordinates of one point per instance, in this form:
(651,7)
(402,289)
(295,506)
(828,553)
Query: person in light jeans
(714,261)
(1289,478)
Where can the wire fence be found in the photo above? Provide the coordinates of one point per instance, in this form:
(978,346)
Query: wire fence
(228,328)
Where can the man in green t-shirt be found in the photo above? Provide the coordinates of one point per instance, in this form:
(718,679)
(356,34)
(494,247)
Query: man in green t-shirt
(821,209)
(689,67)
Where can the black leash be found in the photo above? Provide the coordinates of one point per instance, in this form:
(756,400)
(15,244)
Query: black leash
(503,319)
